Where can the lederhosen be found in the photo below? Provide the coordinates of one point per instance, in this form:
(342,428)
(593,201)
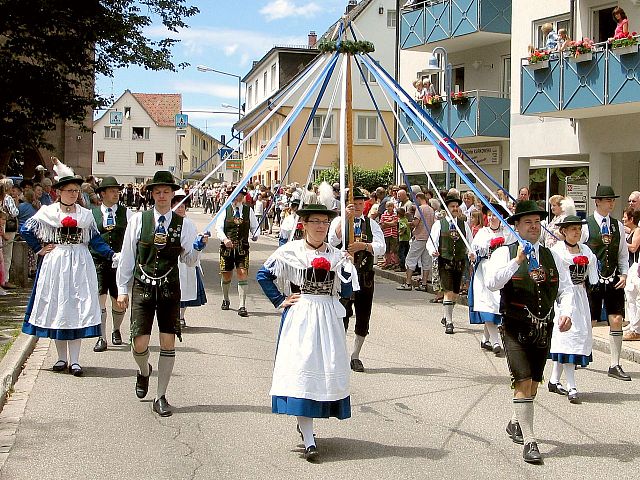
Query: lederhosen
(156,284)
(114,237)
(452,258)
(236,230)
(606,251)
(362,300)
(527,309)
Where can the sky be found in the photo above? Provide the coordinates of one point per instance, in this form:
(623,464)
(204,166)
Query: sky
(226,35)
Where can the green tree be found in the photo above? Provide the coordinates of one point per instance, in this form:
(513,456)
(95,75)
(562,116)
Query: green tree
(52,50)
(363,178)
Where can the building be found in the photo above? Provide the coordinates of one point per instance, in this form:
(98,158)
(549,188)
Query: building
(376,22)
(199,155)
(137,136)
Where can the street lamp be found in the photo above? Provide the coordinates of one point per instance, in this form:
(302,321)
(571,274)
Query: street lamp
(204,68)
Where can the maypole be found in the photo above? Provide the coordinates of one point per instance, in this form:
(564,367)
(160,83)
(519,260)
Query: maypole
(349,140)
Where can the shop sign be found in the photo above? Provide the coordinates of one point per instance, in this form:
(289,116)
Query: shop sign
(578,190)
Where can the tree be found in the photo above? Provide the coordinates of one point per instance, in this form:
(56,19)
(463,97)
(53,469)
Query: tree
(363,178)
(51,51)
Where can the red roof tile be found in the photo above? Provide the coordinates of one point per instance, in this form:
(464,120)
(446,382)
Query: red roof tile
(161,107)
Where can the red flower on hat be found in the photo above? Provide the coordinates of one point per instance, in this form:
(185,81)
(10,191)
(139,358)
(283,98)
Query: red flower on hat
(69,222)
(496,242)
(581,260)
(321,263)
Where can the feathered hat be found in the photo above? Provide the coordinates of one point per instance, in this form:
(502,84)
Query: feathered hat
(64,175)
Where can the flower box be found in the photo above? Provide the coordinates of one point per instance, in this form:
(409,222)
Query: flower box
(581,57)
(538,65)
(626,50)
(432,106)
(459,100)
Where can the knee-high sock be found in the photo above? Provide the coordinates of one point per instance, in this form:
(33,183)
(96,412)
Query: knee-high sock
(615,345)
(118,317)
(306,427)
(570,375)
(242,292)
(357,346)
(524,409)
(142,359)
(74,350)
(556,372)
(103,323)
(61,347)
(494,335)
(485,334)
(448,310)
(225,289)
(182,310)
(165,368)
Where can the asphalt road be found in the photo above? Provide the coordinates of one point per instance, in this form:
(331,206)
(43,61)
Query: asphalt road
(429,405)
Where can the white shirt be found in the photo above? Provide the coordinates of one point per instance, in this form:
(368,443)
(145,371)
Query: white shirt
(623,251)
(288,226)
(378,244)
(253,222)
(127,262)
(114,209)
(435,236)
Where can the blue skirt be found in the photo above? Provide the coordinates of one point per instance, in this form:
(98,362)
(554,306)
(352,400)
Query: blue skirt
(582,360)
(61,334)
(201,296)
(479,318)
(303,407)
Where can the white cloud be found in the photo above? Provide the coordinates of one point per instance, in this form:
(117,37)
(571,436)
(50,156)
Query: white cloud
(279,9)
(230,49)
(207,88)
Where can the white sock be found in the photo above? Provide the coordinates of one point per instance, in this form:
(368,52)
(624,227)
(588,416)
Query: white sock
(556,372)
(485,334)
(182,310)
(242,292)
(74,350)
(570,375)
(306,427)
(103,323)
(514,415)
(118,317)
(225,289)
(524,409)
(61,347)
(448,310)
(494,335)
(615,345)
(357,346)
(165,369)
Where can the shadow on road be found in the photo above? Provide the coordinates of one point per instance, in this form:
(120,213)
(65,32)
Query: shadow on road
(102,372)
(223,331)
(425,372)
(223,409)
(612,398)
(623,452)
(337,449)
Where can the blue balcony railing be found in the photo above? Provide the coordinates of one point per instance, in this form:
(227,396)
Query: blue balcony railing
(565,86)
(435,20)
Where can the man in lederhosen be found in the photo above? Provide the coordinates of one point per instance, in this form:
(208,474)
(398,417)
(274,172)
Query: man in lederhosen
(153,242)
(604,235)
(111,218)
(233,228)
(451,251)
(368,242)
(530,284)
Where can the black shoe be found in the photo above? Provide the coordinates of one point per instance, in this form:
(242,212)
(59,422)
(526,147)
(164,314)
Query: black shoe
(100,346)
(116,338)
(356,365)
(531,454)
(162,407)
(486,345)
(497,349)
(311,453)
(443,321)
(243,312)
(557,388)
(59,366)
(515,432)
(617,372)
(183,323)
(574,397)
(142,384)
(225,305)
(75,369)
(449,328)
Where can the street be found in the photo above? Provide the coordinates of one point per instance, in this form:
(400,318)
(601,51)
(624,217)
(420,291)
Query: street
(429,405)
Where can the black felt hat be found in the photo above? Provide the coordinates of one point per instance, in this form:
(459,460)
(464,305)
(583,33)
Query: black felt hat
(605,191)
(497,206)
(108,182)
(316,208)
(357,194)
(571,220)
(527,207)
(163,177)
(452,199)
(66,181)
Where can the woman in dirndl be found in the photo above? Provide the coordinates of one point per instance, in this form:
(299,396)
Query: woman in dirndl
(573,347)
(64,302)
(311,371)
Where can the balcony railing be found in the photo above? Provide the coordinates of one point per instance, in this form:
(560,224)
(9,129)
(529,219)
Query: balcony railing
(436,20)
(591,86)
(481,114)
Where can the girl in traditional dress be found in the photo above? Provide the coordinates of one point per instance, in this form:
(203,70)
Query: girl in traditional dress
(484,305)
(64,302)
(573,347)
(311,371)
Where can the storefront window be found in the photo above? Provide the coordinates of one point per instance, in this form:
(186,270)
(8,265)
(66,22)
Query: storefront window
(557,177)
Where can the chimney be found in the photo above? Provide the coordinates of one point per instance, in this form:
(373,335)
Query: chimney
(313,39)
(352,4)
(223,140)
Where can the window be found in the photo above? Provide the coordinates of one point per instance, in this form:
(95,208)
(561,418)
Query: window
(139,158)
(316,127)
(140,133)
(204,145)
(367,128)
(559,22)
(194,139)
(391,18)
(249,92)
(159,159)
(140,180)
(273,77)
(264,84)
(255,93)
(368,76)
(113,132)
(506,76)
(100,156)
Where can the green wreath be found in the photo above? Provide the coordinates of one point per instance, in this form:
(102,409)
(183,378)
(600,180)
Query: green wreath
(346,46)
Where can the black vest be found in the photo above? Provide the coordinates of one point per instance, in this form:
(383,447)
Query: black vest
(362,260)
(238,233)
(452,247)
(115,235)
(607,254)
(153,263)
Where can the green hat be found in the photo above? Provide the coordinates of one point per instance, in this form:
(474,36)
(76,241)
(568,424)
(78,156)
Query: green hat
(316,208)
(163,177)
(66,181)
(108,182)
(357,194)
(605,191)
(571,220)
(452,199)
(497,206)
(527,207)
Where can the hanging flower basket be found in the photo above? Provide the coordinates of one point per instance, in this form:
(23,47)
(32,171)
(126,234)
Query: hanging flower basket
(580,51)
(459,99)
(625,43)
(626,50)
(431,102)
(538,59)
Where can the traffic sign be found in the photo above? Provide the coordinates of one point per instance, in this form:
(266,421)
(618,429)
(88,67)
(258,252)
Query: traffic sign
(115,118)
(182,119)
(452,146)
(225,153)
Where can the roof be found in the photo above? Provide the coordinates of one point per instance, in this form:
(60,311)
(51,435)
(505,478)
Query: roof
(354,13)
(280,49)
(161,107)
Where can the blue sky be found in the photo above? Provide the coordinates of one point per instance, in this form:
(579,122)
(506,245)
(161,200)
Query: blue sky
(227,36)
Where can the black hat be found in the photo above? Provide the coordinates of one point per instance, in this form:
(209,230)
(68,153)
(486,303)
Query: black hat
(295,202)
(65,181)
(357,194)
(452,199)
(605,191)
(527,207)
(316,208)
(497,206)
(243,190)
(26,182)
(108,182)
(571,220)
(163,177)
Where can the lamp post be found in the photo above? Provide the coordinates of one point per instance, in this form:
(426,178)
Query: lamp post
(204,68)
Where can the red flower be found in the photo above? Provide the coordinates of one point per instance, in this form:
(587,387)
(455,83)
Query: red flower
(299,226)
(321,263)
(581,260)
(69,222)
(496,242)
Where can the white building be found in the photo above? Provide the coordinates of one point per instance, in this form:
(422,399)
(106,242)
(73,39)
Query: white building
(137,136)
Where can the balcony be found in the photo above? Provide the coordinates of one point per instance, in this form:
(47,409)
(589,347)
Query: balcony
(483,116)
(455,24)
(607,84)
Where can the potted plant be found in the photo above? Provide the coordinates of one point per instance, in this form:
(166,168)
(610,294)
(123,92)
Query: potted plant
(581,50)
(432,101)
(538,59)
(459,98)
(624,43)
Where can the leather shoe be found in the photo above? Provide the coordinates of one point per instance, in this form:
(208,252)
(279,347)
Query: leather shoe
(497,349)
(574,397)
(162,407)
(531,454)
(311,453)
(116,338)
(557,388)
(59,366)
(101,345)
(225,305)
(486,345)
(449,328)
(356,365)
(243,312)
(142,384)
(515,432)
(443,321)
(617,372)
(75,369)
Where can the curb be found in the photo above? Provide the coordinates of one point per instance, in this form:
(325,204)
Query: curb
(12,363)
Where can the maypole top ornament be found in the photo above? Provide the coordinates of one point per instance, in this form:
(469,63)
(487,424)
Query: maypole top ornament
(346,46)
